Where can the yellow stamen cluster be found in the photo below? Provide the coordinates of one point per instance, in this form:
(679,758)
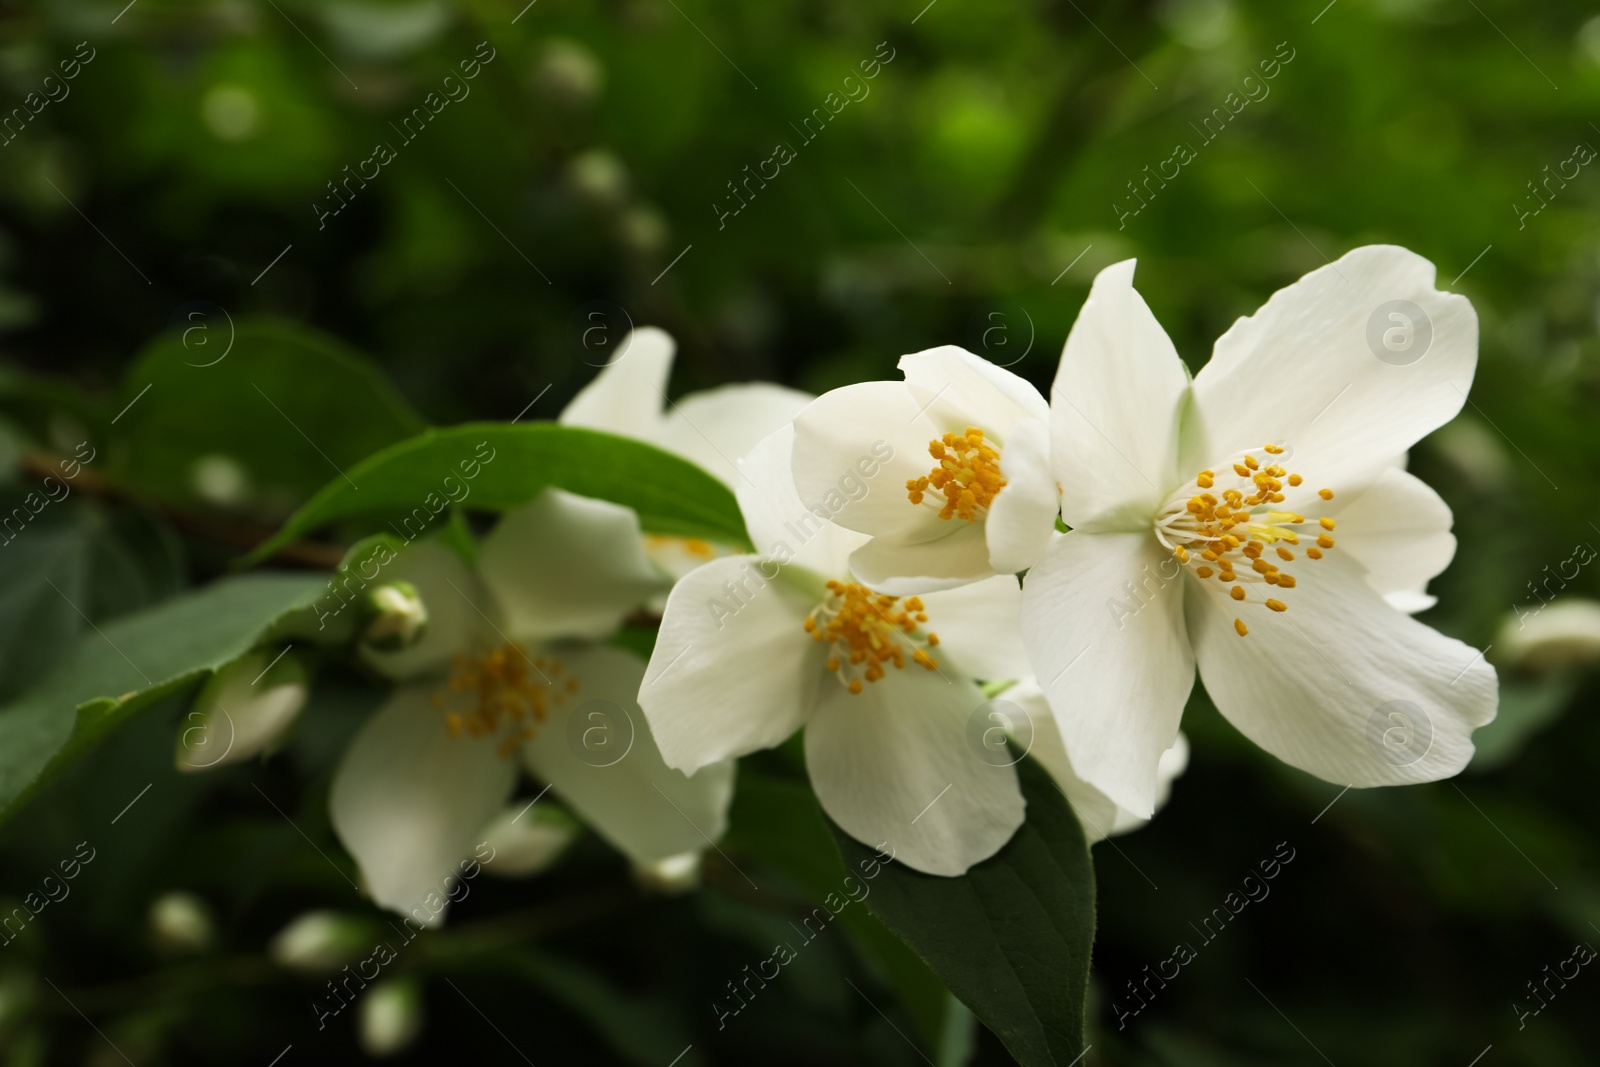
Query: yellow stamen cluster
(1227,534)
(868,630)
(968,475)
(512,693)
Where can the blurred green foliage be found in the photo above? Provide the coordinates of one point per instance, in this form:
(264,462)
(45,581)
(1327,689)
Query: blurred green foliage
(968,198)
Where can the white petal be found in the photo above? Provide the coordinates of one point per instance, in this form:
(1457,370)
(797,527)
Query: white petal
(627,395)
(1398,529)
(1102,619)
(449,591)
(408,799)
(878,427)
(892,767)
(566,566)
(730,674)
(719,427)
(779,525)
(1311,369)
(959,390)
(1341,684)
(1023,515)
(955,559)
(1100,817)
(598,754)
(980,628)
(1114,408)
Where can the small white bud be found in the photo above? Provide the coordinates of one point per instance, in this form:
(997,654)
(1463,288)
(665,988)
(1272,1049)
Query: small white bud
(398,617)
(181,922)
(242,710)
(673,874)
(1565,633)
(391,1016)
(320,941)
(525,841)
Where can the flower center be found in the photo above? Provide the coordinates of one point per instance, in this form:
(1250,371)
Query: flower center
(512,693)
(869,629)
(1237,526)
(967,478)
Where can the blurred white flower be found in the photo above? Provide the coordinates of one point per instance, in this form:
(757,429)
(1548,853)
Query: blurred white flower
(243,710)
(967,491)
(1192,543)
(507,668)
(753,647)
(713,429)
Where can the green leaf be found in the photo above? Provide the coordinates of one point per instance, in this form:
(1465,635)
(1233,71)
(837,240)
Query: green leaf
(44,570)
(414,480)
(123,667)
(779,824)
(259,425)
(1012,936)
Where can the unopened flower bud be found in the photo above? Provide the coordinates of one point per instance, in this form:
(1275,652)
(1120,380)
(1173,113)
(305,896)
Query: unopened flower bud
(398,617)
(1565,633)
(527,840)
(242,710)
(673,874)
(181,922)
(321,941)
(391,1016)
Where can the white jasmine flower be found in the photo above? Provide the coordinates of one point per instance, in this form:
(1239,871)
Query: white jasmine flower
(713,429)
(1204,519)
(754,647)
(966,491)
(487,681)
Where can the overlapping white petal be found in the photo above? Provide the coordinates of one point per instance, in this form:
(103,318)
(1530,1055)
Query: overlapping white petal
(1099,815)
(408,798)
(1102,618)
(1114,408)
(597,752)
(1342,684)
(891,765)
(1351,365)
(566,566)
(731,672)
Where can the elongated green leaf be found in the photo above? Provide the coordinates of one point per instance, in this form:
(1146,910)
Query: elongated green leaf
(509,465)
(125,666)
(1012,936)
(255,414)
(779,824)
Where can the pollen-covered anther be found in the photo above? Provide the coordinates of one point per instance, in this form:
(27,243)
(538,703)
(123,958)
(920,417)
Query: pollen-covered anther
(966,479)
(1211,532)
(511,693)
(869,631)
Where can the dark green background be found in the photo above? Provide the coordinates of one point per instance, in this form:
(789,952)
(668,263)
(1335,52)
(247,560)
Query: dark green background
(942,208)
